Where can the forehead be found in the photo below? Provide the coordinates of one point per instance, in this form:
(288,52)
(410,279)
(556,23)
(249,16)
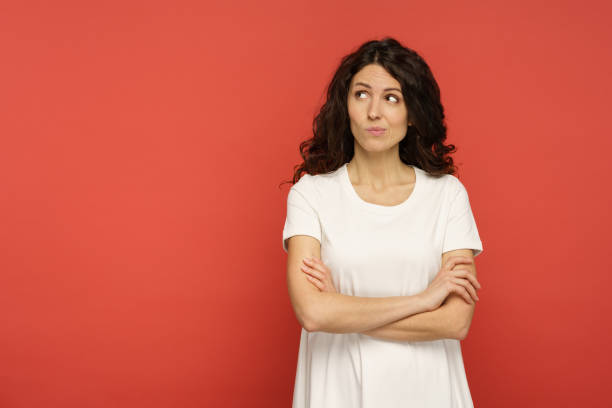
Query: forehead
(375,76)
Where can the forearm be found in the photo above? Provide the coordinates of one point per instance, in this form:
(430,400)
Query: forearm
(338,313)
(426,326)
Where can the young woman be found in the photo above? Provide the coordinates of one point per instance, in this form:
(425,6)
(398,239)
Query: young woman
(381,242)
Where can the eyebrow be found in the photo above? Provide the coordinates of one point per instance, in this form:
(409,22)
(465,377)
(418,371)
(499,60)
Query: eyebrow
(368,86)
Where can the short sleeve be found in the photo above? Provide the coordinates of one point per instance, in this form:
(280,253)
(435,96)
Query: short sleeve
(461,231)
(302,219)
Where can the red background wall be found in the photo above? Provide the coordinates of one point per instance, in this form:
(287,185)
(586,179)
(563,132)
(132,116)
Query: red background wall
(142,145)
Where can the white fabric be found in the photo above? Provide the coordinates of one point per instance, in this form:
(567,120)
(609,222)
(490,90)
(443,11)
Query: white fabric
(375,251)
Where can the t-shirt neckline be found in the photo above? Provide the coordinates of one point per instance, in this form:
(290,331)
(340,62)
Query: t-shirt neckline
(383,209)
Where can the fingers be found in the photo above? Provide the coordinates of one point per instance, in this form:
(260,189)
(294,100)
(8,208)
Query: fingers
(316,263)
(315,260)
(462,273)
(315,277)
(467,285)
(315,282)
(312,262)
(460,290)
(312,271)
(318,274)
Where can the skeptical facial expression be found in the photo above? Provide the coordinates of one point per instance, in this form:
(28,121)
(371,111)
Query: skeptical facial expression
(376,107)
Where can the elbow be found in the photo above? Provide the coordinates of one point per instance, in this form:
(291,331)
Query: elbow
(460,316)
(309,320)
(315,317)
(461,333)
(311,314)
(304,320)
(309,326)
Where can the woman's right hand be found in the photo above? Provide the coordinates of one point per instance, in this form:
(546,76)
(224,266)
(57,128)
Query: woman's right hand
(447,281)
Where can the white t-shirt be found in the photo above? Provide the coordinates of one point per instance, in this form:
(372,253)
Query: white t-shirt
(377,251)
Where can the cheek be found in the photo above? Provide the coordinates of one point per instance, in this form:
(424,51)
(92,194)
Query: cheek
(398,119)
(353,113)
(352,108)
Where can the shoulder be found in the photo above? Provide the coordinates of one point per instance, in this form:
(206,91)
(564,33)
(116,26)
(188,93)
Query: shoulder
(305,184)
(305,191)
(454,184)
(446,185)
(318,185)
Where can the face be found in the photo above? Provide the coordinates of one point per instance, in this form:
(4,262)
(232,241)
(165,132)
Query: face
(375,101)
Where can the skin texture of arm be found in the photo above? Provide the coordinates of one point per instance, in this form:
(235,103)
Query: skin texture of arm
(451,320)
(335,312)
(338,313)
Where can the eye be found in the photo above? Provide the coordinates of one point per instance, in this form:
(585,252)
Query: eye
(394,100)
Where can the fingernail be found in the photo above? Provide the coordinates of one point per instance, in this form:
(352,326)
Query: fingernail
(306,259)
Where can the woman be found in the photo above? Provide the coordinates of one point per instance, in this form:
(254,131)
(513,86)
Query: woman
(381,242)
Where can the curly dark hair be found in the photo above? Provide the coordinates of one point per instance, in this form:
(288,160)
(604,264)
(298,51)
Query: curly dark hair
(333,144)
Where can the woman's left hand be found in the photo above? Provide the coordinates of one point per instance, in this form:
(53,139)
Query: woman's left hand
(318,274)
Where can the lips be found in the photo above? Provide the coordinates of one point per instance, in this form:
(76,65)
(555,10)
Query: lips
(377,131)
(375,128)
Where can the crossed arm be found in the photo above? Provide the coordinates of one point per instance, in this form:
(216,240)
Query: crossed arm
(397,318)
(451,320)
(394,318)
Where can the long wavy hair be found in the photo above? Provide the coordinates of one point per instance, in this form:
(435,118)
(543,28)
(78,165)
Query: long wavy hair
(333,143)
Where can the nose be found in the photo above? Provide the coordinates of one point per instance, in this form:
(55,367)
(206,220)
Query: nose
(373,110)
